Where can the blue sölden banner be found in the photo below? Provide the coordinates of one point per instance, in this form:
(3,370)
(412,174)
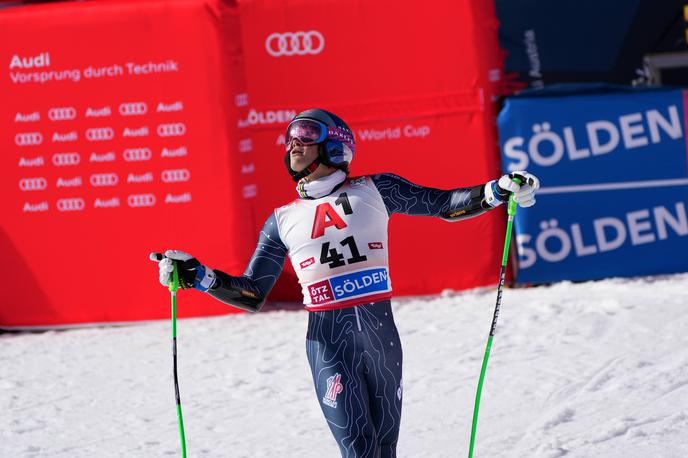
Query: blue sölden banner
(614,173)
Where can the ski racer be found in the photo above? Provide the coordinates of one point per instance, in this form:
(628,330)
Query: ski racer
(335,234)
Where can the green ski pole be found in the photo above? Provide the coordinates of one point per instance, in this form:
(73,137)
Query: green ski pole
(174,286)
(511,210)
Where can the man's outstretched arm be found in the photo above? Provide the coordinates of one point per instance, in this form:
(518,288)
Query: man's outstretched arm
(247,292)
(402,196)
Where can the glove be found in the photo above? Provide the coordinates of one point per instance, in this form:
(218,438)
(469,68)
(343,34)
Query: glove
(499,191)
(192,274)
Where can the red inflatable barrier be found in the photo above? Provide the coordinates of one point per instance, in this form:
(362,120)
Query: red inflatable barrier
(416,84)
(138,126)
(115,143)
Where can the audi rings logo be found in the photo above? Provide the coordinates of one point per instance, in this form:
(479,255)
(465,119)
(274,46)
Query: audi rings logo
(104,179)
(137,154)
(175,176)
(33,184)
(171,130)
(99,134)
(133,109)
(62,113)
(141,200)
(28,139)
(295,43)
(73,204)
(65,159)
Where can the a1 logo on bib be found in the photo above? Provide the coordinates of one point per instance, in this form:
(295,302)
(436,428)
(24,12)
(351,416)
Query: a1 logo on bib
(326,216)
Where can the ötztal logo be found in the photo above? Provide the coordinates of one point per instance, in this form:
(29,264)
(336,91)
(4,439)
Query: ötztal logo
(295,43)
(137,154)
(171,130)
(175,175)
(71,205)
(66,159)
(33,184)
(62,113)
(133,108)
(99,134)
(104,179)
(28,139)
(141,200)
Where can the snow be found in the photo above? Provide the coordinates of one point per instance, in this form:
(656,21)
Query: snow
(596,369)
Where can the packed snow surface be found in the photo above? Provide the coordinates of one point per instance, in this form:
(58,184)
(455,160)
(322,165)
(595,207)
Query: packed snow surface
(597,369)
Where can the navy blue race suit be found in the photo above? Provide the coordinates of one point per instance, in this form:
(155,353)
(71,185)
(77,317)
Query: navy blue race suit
(354,353)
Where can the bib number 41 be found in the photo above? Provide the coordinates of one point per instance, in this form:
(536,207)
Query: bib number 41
(334,258)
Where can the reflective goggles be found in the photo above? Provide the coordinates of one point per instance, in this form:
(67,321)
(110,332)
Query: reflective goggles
(311,132)
(307,131)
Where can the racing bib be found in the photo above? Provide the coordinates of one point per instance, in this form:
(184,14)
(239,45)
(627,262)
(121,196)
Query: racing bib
(338,246)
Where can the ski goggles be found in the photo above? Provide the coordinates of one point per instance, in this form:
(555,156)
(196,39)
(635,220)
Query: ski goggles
(311,132)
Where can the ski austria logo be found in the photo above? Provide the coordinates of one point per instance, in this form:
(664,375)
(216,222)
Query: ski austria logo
(548,147)
(62,113)
(66,159)
(308,262)
(349,285)
(133,108)
(334,387)
(295,43)
(28,139)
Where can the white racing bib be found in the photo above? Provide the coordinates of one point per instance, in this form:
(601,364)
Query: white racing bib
(338,246)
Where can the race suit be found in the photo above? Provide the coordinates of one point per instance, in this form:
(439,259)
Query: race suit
(337,245)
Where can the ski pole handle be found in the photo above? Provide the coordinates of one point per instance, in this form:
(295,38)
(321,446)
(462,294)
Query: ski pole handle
(174,281)
(511,210)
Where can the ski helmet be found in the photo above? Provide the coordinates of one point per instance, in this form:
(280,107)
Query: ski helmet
(335,140)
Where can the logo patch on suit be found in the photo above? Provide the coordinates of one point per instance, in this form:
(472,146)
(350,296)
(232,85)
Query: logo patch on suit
(358,182)
(334,387)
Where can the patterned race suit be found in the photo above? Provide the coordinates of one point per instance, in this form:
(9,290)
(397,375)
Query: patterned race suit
(338,247)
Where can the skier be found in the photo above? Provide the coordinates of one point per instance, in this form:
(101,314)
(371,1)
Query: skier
(335,234)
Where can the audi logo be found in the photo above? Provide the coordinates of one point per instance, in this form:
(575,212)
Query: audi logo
(141,200)
(295,43)
(250,190)
(171,130)
(241,100)
(137,154)
(245,145)
(28,139)
(65,159)
(62,113)
(133,109)
(99,134)
(73,204)
(33,184)
(175,176)
(104,179)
